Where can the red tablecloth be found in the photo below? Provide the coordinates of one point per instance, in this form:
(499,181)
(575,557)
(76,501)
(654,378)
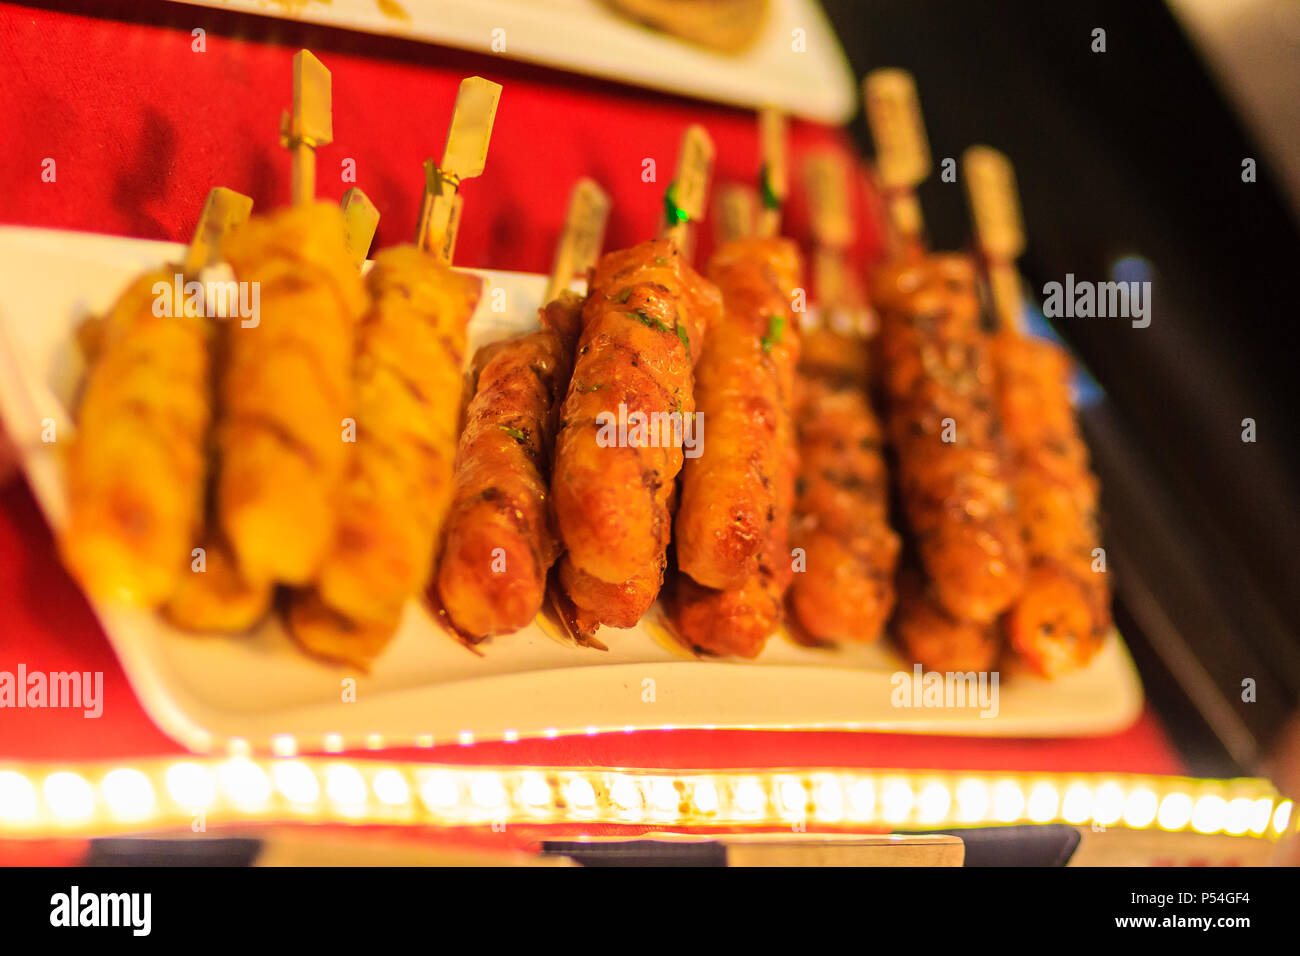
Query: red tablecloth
(140,126)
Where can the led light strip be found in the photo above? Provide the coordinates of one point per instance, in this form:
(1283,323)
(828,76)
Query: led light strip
(38,802)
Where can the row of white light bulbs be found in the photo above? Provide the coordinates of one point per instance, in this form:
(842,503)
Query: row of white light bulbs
(371,792)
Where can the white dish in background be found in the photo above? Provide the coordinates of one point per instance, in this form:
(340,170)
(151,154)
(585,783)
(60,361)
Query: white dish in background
(584,36)
(426,686)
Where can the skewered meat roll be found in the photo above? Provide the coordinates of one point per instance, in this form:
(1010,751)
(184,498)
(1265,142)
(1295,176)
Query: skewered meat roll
(733,524)
(842,506)
(643,326)
(938,382)
(136,466)
(501,540)
(285,390)
(1059,622)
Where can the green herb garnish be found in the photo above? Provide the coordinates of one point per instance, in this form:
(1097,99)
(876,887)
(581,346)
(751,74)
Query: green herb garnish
(775,329)
(623,296)
(514,433)
(673,212)
(770,199)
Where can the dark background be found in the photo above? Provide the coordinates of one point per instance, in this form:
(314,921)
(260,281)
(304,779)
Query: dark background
(1135,151)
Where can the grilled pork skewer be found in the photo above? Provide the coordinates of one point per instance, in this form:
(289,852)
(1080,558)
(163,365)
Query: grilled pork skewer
(643,326)
(501,539)
(841,519)
(1060,621)
(937,383)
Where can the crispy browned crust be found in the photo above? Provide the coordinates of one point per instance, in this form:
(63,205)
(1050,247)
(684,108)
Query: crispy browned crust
(1061,620)
(956,495)
(501,540)
(732,537)
(643,325)
(841,521)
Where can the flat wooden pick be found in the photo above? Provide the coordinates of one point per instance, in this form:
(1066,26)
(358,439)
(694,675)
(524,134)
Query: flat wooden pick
(894,115)
(360,220)
(470,132)
(690,186)
(826,179)
(994,202)
(223,211)
(310,124)
(313,118)
(735,211)
(774,183)
(583,236)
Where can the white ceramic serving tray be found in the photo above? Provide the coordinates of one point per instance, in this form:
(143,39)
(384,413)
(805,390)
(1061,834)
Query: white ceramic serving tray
(427,687)
(584,36)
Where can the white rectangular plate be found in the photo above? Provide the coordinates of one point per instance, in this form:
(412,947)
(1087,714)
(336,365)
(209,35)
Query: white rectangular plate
(426,686)
(583,36)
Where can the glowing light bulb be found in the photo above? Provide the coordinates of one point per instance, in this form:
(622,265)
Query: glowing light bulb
(663,795)
(896,800)
(17,796)
(534,791)
(1043,802)
(862,800)
(439,791)
(1140,808)
(1109,804)
(244,782)
(345,787)
(749,798)
(190,786)
(1237,818)
(1008,801)
(295,781)
(972,801)
(1209,814)
(793,796)
(1175,811)
(128,793)
(1076,808)
(625,794)
(828,797)
(933,803)
(580,794)
(705,796)
(1282,816)
(69,796)
(486,790)
(391,788)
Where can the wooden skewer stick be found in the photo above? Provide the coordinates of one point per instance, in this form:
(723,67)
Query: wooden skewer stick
(774,177)
(311,123)
(902,149)
(223,211)
(463,157)
(735,211)
(583,236)
(685,198)
(826,179)
(360,220)
(999,230)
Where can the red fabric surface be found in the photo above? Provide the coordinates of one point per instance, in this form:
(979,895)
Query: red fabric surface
(141,126)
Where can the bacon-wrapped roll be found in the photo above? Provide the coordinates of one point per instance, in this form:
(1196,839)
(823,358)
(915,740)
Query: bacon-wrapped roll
(841,522)
(953,481)
(501,540)
(136,466)
(285,390)
(643,325)
(743,384)
(1059,623)
(733,524)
